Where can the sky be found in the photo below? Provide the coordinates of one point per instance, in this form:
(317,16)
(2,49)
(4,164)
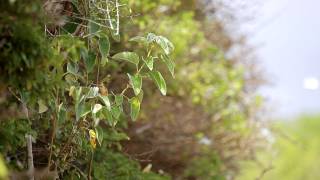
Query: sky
(287,34)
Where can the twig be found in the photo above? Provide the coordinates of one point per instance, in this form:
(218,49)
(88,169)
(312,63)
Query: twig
(54,127)
(108,15)
(90,166)
(30,157)
(264,171)
(118,21)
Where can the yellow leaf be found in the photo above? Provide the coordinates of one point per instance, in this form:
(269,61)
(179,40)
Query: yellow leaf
(42,107)
(93,138)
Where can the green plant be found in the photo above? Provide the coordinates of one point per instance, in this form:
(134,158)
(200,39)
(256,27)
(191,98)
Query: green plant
(62,79)
(85,76)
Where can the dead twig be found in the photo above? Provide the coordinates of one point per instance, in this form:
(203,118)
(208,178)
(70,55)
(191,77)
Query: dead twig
(30,157)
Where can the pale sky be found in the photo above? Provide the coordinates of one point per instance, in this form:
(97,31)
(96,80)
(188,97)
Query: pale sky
(288,35)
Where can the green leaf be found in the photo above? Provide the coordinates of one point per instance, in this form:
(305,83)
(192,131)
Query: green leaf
(135,108)
(82,109)
(73,68)
(93,27)
(104,46)
(99,134)
(115,36)
(149,62)
(118,100)
(160,82)
(78,96)
(140,96)
(108,116)
(151,37)
(115,111)
(104,61)
(93,92)
(89,59)
(127,56)
(106,101)
(169,62)
(42,107)
(139,39)
(165,44)
(62,113)
(136,83)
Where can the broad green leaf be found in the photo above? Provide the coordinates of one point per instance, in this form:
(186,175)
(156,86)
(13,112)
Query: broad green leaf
(73,68)
(151,37)
(149,62)
(104,47)
(82,109)
(118,99)
(93,92)
(127,56)
(99,134)
(139,39)
(95,115)
(160,82)
(96,108)
(115,36)
(169,62)
(42,107)
(135,108)
(78,95)
(165,44)
(89,59)
(93,27)
(62,113)
(104,61)
(106,101)
(136,83)
(140,96)
(108,116)
(115,111)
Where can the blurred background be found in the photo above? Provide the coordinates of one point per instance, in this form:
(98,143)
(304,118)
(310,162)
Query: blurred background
(286,36)
(287,32)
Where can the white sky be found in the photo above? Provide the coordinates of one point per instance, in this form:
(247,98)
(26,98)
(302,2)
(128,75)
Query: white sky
(289,31)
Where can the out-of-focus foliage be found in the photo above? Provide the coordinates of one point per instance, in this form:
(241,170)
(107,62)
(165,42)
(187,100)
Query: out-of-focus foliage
(111,165)
(3,169)
(294,155)
(75,74)
(211,118)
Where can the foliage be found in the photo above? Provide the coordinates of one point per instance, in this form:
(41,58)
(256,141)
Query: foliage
(294,154)
(112,165)
(211,96)
(3,169)
(84,77)
(57,81)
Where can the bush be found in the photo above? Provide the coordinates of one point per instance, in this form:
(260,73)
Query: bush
(87,80)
